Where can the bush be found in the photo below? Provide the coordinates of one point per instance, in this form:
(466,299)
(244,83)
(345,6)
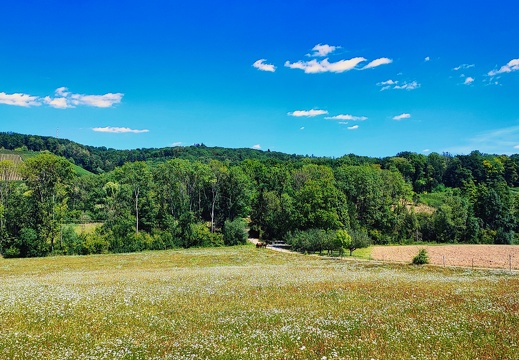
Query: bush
(235,232)
(422,258)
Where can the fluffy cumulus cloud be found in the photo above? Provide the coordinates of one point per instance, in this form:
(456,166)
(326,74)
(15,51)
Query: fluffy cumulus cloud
(345,117)
(256,147)
(62,99)
(261,65)
(402,116)
(512,65)
(378,62)
(118,130)
(391,84)
(18,99)
(354,127)
(321,50)
(469,80)
(308,113)
(427,58)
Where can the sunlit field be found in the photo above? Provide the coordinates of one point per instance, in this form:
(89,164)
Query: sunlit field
(245,303)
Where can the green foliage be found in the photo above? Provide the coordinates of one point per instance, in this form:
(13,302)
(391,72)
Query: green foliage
(235,232)
(313,240)
(359,240)
(421,258)
(192,196)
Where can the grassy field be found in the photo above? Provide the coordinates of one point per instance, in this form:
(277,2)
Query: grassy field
(245,303)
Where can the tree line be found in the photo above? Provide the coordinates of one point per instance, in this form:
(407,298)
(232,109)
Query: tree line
(316,204)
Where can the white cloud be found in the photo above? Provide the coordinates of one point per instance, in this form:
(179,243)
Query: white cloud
(62,99)
(513,65)
(426,150)
(402,116)
(302,128)
(57,103)
(407,86)
(256,147)
(314,66)
(321,50)
(427,58)
(260,65)
(346,117)
(386,85)
(118,130)
(308,113)
(354,127)
(101,101)
(177,143)
(464,66)
(469,80)
(18,99)
(343,122)
(388,82)
(378,62)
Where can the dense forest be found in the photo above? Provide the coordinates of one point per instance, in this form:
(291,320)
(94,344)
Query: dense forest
(201,196)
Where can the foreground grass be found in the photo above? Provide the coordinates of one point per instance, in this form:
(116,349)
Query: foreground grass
(244,303)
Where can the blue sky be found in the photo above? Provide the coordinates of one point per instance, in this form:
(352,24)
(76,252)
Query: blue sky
(371,78)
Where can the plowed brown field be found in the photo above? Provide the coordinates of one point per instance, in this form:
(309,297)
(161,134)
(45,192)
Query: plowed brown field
(483,256)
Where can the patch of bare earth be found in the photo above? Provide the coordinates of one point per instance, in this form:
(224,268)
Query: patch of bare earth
(483,256)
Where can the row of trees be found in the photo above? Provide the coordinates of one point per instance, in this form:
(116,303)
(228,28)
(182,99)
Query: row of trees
(184,203)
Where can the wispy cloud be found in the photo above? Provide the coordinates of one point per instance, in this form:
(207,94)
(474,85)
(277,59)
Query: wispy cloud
(347,117)
(427,58)
(261,65)
(378,62)
(512,65)
(407,86)
(177,143)
(426,150)
(354,127)
(314,66)
(392,84)
(468,81)
(464,66)
(256,147)
(118,130)
(307,113)
(18,99)
(62,99)
(321,50)
(302,128)
(497,141)
(402,116)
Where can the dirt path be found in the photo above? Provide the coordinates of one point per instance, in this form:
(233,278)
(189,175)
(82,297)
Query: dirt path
(483,256)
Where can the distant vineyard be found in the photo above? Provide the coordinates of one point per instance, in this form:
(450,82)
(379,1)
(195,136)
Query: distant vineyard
(10,174)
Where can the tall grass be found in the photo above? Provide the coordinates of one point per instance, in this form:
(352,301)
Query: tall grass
(245,303)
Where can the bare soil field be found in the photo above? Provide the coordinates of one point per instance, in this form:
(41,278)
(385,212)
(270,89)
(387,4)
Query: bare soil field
(482,256)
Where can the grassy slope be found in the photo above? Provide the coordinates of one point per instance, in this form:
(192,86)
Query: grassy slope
(247,303)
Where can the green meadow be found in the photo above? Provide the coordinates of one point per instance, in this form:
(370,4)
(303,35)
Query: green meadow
(245,303)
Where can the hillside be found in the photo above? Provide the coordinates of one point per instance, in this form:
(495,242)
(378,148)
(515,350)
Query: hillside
(18,157)
(101,159)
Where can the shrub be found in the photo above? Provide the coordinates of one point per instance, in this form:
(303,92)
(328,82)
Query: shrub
(421,258)
(235,232)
